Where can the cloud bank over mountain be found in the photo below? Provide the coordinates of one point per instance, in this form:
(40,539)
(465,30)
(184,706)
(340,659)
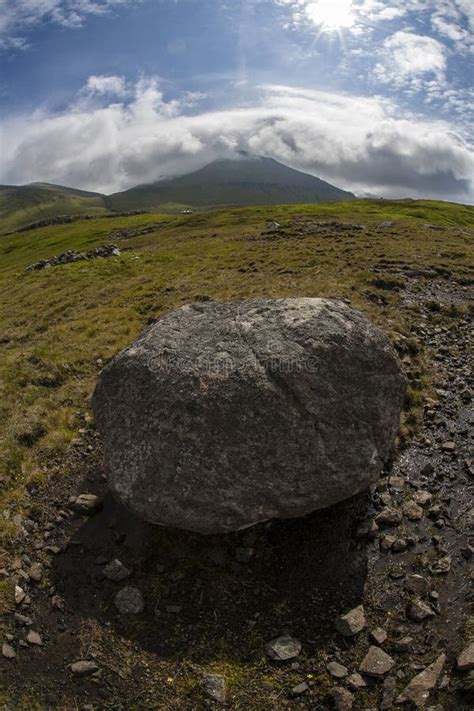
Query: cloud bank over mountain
(116,135)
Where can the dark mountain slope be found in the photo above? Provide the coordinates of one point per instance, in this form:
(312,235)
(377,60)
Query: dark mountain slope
(247,180)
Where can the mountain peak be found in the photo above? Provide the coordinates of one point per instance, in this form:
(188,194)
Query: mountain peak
(241,179)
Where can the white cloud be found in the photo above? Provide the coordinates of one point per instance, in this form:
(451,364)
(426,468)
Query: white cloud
(18,17)
(411,62)
(415,54)
(358,143)
(102,84)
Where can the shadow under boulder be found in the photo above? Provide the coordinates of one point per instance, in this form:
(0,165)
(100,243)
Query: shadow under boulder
(220,596)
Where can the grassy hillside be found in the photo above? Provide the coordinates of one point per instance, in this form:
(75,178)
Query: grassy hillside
(20,205)
(61,324)
(250,180)
(56,323)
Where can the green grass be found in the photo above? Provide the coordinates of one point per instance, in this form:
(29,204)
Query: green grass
(56,323)
(24,204)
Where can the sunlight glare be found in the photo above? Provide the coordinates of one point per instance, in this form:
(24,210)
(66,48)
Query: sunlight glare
(331,15)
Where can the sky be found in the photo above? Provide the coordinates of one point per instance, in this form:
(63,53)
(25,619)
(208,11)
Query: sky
(371,95)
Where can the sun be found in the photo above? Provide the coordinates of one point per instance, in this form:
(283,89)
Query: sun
(331,15)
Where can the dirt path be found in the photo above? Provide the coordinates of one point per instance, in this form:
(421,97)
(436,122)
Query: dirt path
(211,603)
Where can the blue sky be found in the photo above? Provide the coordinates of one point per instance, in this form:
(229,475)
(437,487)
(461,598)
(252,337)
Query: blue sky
(375,96)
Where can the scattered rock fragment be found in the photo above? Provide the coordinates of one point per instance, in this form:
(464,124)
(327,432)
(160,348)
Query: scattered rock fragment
(86,504)
(376,663)
(352,622)
(83,668)
(283,648)
(342,699)
(418,611)
(8,651)
(418,690)
(300,689)
(19,595)
(388,693)
(465,661)
(214,686)
(355,682)
(448,446)
(116,571)
(129,601)
(378,635)
(338,671)
(36,572)
(417,585)
(422,497)
(389,517)
(387,542)
(71,255)
(442,566)
(34,638)
(57,602)
(23,620)
(412,511)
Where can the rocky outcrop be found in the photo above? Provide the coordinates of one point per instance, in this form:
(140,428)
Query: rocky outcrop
(224,414)
(108,250)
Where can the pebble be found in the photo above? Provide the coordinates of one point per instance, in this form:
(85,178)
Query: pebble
(465,661)
(417,584)
(214,686)
(442,566)
(338,671)
(422,497)
(387,542)
(418,611)
(352,622)
(389,692)
(34,638)
(283,648)
(418,690)
(300,689)
(342,699)
(116,571)
(129,601)
(376,663)
(36,572)
(355,682)
(23,619)
(412,511)
(20,595)
(448,446)
(8,651)
(86,504)
(388,517)
(83,668)
(378,635)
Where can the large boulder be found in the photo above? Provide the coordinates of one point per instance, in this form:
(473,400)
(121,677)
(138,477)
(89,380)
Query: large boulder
(224,414)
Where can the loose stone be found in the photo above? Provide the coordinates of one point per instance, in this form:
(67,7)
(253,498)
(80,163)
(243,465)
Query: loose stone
(338,671)
(83,668)
(376,663)
(465,661)
(283,648)
(418,690)
(129,601)
(215,687)
(352,622)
